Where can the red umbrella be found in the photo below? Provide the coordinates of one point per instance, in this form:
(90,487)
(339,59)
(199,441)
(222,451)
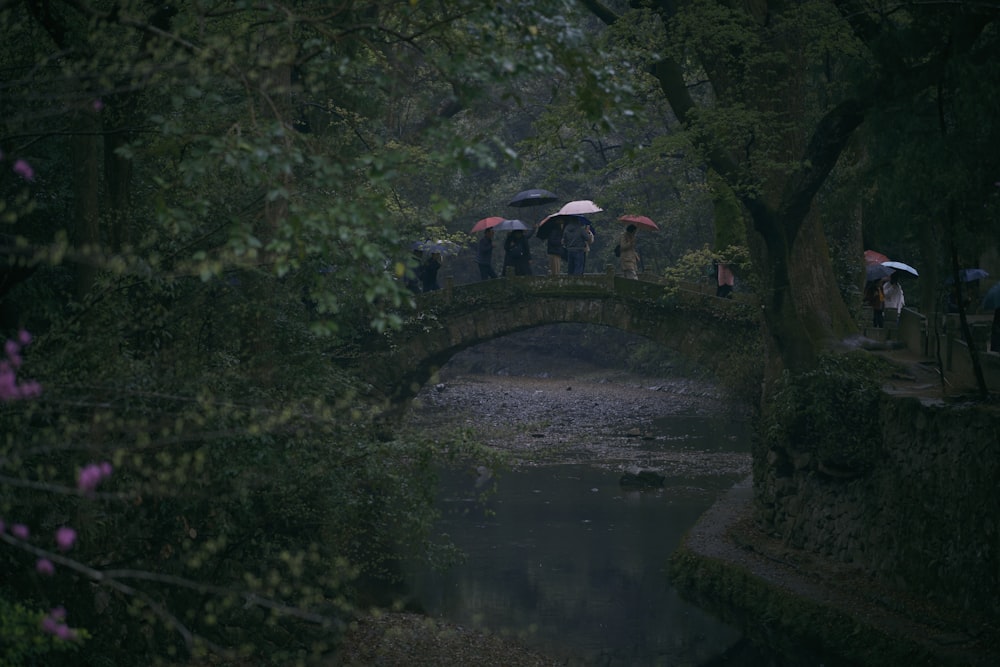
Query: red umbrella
(640,221)
(486,223)
(872,257)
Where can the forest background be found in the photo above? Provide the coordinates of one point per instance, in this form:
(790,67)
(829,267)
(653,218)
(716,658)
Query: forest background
(200,201)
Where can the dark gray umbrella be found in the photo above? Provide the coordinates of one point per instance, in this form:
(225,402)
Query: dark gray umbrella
(992,299)
(967,276)
(876,271)
(533,197)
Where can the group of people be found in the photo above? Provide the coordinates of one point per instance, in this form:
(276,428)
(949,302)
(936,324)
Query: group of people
(569,239)
(882,294)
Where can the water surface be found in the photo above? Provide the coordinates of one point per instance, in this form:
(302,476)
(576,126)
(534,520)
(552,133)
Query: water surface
(570,562)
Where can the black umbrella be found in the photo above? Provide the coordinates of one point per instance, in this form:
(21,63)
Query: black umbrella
(534,197)
(877,271)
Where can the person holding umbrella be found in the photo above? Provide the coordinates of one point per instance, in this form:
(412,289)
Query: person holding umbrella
(484,255)
(875,297)
(517,252)
(628,254)
(893,293)
(577,238)
(554,249)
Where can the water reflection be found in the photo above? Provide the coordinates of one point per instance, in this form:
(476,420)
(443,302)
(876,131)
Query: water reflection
(568,561)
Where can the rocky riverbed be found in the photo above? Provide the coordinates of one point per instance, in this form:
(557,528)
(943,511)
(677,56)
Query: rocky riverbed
(605,420)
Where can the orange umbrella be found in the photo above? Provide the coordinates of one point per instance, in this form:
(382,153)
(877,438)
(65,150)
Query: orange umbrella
(640,221)
(486,223)
(872,257)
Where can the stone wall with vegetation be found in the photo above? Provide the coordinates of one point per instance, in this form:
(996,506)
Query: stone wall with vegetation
(914,502)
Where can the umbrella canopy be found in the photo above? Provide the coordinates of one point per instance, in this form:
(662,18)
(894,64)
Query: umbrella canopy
(579,207)
(510,226)
(486,223)
(640,221)
(967,276)
(877,271)
(873,257)
(442,247)
(544,230)
(991,301)
(901,267)
(535,197)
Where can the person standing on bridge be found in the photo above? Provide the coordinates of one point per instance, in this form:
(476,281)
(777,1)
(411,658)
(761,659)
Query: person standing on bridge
(484,255)
(577,238)
(629,256)
(429,272)
(554,249)
(517,253)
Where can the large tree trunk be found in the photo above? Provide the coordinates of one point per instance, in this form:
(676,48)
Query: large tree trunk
(802,308)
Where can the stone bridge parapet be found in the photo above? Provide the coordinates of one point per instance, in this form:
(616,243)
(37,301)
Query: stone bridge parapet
(395,365)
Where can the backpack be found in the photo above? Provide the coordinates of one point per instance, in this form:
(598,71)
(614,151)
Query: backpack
(618,250)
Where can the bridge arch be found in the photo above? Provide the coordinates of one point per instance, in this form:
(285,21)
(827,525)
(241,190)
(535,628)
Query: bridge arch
(695,323)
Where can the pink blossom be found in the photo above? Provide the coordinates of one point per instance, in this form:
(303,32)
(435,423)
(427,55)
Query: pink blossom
(98,105)
(13,350)
(24,170)
(9,388)
(92,474)
(20,531)
(65,537)
(45,566)
(54,624)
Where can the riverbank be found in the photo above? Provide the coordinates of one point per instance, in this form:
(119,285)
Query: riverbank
(729,566)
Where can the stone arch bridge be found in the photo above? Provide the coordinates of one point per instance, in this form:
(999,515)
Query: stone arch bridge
(696,323)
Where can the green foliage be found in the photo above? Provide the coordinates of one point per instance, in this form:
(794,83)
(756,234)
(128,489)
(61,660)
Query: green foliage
(699,266)
(245,189)
(831,412)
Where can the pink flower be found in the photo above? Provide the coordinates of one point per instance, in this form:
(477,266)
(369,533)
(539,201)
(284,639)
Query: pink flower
(54,624)
(13,352)
(98,105)
(23,337)
(24,170)
(65,537)
(20,531)
(92,474)
(45,566)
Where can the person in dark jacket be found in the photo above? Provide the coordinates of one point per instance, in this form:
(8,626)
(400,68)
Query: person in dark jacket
(429,272)
(484,256)
(577,238)
(554,247)
(517,253)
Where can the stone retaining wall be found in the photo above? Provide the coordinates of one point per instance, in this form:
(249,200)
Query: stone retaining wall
(925,518)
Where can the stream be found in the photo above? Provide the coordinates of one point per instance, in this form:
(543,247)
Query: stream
(565,559)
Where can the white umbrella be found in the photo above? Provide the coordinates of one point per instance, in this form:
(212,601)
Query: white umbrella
(580,207)
(510,225)
(901,267)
